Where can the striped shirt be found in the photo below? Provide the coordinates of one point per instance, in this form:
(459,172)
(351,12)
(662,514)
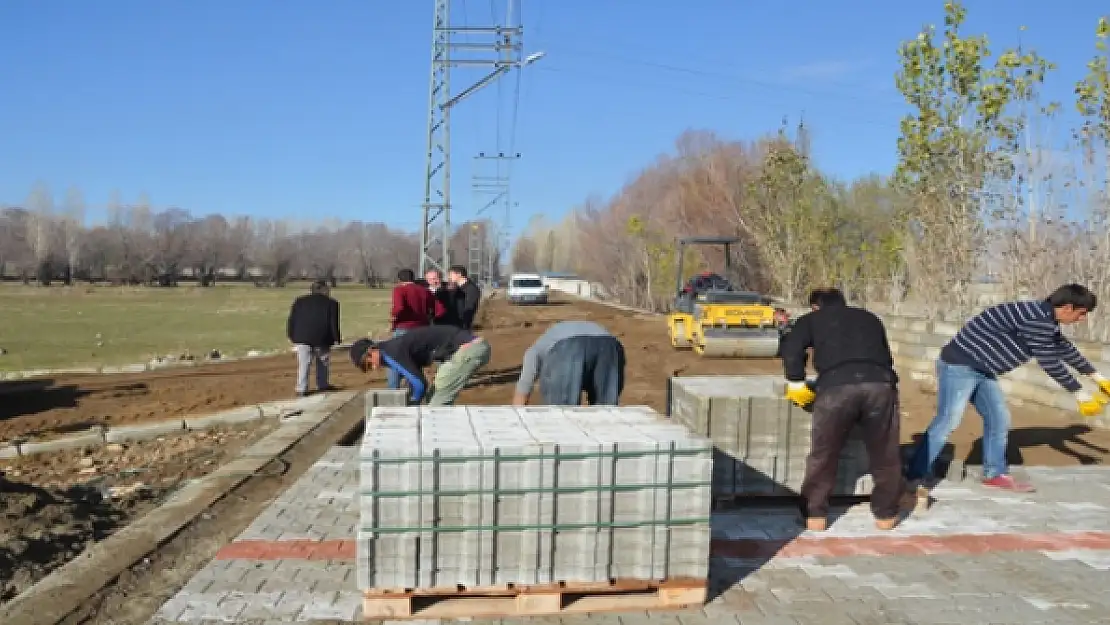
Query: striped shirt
(1004,337)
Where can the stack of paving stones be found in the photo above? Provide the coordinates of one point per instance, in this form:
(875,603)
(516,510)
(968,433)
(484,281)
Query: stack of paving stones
(760,439)
(488,496)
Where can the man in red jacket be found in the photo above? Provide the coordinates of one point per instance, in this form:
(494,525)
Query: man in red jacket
(413,307)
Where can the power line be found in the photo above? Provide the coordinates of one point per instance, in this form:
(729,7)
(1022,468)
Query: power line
(745,98)
(742,80)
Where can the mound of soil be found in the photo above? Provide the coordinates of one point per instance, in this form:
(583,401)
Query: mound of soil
(40,528)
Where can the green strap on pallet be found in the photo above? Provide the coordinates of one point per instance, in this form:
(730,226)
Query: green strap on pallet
(376,457)
(600,488)
(545,526)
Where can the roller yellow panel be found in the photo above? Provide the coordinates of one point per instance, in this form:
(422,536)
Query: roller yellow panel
(680,326)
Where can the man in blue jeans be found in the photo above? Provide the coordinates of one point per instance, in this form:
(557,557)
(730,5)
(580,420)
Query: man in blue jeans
(573,357)
(996,341)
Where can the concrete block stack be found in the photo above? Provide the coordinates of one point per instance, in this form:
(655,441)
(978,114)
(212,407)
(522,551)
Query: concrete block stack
(483,496)
(760,439)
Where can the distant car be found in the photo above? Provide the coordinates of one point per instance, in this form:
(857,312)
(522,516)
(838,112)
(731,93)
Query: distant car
(527,288)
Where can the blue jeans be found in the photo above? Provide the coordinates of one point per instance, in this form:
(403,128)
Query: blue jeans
(956,386)
(392,378)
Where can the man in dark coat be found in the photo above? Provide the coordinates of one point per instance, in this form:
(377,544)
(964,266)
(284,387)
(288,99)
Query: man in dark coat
(856,384)
(467,296)
(313,328)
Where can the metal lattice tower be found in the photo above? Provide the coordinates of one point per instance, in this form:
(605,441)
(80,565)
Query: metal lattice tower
(502,52)
(494,190)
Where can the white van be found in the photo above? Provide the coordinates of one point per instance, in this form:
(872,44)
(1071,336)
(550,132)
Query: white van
(527,288)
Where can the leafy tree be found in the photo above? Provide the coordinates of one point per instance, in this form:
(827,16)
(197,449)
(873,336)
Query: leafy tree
(960,137)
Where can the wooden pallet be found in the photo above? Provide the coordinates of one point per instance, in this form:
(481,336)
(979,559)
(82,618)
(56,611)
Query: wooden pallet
(531,600)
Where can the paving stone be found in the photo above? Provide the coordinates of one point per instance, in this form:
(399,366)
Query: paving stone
(479,496)
(760,439)
(1012,587)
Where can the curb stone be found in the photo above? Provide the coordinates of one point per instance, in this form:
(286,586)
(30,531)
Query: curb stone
(62,591)
(90,438)
(286,410)
(144,432)
(139,367)
(234,416)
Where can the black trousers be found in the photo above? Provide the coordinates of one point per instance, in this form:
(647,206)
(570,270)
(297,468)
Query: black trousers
(874,406)
(594,364)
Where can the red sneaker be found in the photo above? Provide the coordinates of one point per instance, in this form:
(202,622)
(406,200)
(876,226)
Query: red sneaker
(1007,482)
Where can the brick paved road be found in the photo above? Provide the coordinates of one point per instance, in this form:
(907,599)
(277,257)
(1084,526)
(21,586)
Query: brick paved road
(977,557)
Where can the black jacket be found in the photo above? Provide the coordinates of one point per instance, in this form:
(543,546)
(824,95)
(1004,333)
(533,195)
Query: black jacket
(420,347)
(468,297)
(447,301)
(849,347)
(313,320)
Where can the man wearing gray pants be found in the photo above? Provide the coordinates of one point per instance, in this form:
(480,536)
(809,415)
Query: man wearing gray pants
(572,357)
(313,328)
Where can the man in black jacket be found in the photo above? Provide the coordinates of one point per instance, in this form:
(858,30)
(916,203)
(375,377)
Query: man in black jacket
(313,328)
(467,296)
(856,383)
(459,353)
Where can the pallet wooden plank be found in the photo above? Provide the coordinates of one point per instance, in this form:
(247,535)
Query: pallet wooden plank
(617,596)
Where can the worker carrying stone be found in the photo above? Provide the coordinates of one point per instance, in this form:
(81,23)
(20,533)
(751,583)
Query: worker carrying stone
(856,384)
(996,341)
(459,352)
(572,357)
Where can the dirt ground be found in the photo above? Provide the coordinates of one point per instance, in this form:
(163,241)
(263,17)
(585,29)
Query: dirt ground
(1041,436)
(53,506)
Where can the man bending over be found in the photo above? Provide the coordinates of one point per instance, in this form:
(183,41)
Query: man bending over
(459,352)
(996,341)
(571,357)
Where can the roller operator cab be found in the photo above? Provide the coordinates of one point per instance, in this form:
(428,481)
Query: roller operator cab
(717,320)
(527,288)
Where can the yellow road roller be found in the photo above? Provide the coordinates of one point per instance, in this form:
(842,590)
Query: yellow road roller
(717,320)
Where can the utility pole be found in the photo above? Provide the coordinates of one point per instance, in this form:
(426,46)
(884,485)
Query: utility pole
(497,189)
(499,49)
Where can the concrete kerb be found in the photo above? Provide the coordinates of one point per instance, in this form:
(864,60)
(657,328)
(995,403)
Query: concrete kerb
(97,437)
(139,367)
(61,592)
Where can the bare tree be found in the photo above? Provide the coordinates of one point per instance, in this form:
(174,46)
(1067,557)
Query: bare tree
(274,250)
(172,235)
(73,225)
(40,232)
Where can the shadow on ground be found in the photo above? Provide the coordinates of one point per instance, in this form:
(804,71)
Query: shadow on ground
(1067,440)
(29,397)
(731,559)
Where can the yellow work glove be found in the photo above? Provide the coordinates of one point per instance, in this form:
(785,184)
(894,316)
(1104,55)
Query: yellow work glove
(1103,383)
(800,394)
(1089,406)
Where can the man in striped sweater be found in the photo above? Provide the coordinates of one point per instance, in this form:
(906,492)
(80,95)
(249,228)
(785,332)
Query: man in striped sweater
(996,341)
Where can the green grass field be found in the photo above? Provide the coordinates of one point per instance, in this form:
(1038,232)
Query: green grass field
(63,327)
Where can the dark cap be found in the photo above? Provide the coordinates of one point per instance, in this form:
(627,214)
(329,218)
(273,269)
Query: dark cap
(358,351)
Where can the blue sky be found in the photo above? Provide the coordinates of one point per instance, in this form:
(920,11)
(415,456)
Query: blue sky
(306,109)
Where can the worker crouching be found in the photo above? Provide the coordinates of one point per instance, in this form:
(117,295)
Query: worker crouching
(571,358)
(458,352)
(856,384)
